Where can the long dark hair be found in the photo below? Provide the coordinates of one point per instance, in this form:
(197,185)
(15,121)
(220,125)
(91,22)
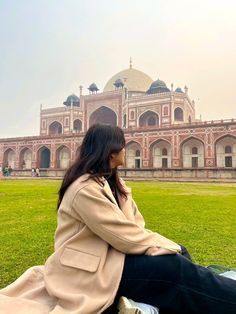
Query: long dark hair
(99,143)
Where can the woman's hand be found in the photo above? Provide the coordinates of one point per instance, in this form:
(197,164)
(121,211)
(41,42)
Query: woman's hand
(154,251)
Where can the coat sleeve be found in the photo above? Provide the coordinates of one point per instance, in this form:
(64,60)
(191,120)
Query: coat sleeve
(106,220)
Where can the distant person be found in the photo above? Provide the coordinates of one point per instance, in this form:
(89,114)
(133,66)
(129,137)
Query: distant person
(103,251)
(6,171)
(10,170)
(37,172)
(0,170)
(33,172)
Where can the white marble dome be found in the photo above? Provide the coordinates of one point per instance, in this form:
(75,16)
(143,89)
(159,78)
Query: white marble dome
(134,80)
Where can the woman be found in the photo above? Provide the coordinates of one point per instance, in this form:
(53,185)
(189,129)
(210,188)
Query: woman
(103,251)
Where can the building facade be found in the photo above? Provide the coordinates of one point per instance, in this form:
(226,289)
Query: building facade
(161,130)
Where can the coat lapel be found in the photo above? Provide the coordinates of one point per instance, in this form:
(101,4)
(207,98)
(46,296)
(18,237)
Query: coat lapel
(124,204)
(109,193)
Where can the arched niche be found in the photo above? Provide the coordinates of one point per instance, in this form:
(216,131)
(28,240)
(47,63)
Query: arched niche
(103,115)
(77,125)
(178,114)
(192,151)
(9,158)
(44,157)
(25,158)
(161,154)
(149,119)
(133,153)
(225,149)
(55,128)
(63,157)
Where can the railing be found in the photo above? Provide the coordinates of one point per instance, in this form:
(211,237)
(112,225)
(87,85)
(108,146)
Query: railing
(180,125)
(59,109)
(211,122)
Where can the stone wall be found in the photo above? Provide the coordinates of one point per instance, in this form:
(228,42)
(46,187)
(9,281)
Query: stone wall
(155,174)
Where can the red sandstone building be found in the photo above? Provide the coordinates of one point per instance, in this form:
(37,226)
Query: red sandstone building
(164,139)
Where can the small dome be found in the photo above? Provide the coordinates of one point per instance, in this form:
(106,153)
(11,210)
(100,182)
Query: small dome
(93,88)
(178,90)
(118,83)
(158,86)
(72,99)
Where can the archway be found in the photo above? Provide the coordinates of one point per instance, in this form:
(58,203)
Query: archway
(133,155)
(63,157)
(149,119)
(9,158)
(25,158)
(192,153)
(226,152)
(178,114)
(103,115)
(44,156)
(161,154)
(55,128)
(77,125)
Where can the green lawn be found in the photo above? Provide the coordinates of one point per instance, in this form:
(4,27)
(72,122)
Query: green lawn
(200,216)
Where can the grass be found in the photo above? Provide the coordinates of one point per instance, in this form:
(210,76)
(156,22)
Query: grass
(201,217)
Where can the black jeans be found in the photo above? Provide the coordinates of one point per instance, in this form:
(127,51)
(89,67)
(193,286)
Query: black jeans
(175,285)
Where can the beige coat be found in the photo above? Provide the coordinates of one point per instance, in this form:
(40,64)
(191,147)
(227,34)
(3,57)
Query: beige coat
(83,274)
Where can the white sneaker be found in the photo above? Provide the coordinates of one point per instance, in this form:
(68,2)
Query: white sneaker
(128,306)
(229,274)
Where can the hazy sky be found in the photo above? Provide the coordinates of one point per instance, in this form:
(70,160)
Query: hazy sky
(50,47)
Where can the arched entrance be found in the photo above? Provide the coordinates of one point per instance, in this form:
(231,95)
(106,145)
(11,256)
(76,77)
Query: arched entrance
(103,115)
(77,125)
(44,156)
(193,153)
(226,152)
(9,158)
(149,119)
(25,158)
(161,154)
(133,155)
(63,157)
(178,114)
(55,128)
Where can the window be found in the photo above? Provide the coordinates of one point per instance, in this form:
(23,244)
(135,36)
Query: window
(166,111)
(228,150)
(164,162)
(194,162)
(178,114)
(137,153)
(77,125)
(164,152)
(228,161)
(194,151)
